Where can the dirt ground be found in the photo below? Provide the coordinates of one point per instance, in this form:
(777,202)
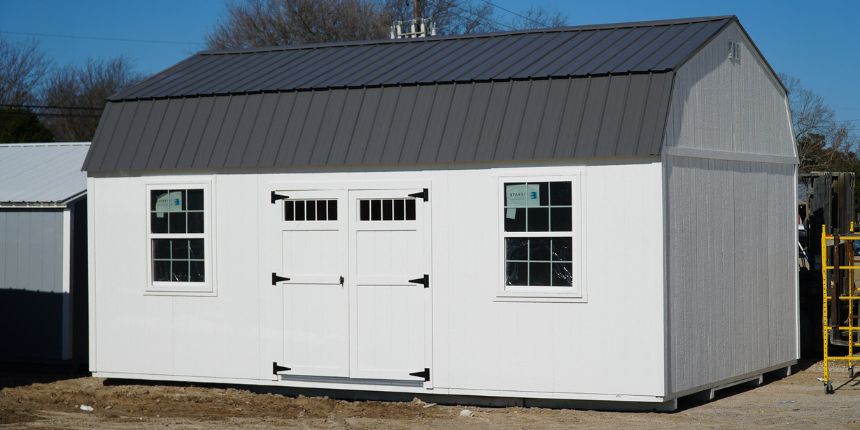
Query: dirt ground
(34,400)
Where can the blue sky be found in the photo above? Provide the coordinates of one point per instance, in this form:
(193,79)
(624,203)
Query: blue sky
(815,41)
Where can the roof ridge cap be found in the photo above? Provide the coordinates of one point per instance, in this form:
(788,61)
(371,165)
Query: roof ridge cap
(575,28)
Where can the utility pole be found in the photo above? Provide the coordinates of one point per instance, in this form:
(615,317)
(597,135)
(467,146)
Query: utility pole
(416,11)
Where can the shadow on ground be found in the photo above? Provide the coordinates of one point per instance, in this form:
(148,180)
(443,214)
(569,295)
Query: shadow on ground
(20,374)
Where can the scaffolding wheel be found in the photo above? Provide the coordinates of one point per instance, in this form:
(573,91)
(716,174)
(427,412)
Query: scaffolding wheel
(828,388)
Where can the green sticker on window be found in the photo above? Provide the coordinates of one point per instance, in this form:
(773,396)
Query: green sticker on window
(170,202)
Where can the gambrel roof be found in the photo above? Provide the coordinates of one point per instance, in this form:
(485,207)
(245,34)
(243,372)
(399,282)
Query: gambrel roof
(586,91)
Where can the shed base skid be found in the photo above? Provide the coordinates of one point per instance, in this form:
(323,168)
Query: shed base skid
(457,396)
(752,379)
(399,393)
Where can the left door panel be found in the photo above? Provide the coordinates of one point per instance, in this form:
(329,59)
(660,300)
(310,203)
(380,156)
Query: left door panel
(312,232)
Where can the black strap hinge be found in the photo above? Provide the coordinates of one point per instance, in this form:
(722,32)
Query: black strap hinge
(276,368)
(424,280)
(422,374)
(276,278)
(276,197)
(424,195)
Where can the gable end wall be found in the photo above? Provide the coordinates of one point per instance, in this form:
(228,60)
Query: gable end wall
(729,172)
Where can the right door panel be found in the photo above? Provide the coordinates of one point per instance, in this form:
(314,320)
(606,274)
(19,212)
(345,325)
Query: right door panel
(389,257)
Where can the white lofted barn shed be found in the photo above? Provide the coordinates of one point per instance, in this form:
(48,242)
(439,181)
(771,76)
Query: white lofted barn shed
(595,213)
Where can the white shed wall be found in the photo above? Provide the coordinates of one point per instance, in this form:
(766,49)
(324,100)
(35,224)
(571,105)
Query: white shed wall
(730,167)
(482,344)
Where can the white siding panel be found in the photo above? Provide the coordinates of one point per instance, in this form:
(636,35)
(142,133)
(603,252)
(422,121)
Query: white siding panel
(481,344)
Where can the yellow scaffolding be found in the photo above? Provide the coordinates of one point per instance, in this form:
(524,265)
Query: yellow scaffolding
(829,291)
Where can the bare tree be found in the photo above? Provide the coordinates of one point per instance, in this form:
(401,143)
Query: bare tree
(256,23)
(80,93)
(22,67)
(822,141)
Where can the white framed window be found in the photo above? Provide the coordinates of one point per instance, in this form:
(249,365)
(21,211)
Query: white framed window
(541,237)
(179,239)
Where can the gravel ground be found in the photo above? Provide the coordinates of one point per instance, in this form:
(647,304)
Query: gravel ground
(38,401)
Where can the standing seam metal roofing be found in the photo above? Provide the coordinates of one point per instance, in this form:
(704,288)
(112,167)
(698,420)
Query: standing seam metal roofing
(647,47)
(560,93)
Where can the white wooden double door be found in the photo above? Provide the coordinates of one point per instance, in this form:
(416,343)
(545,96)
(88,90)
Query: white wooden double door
(354,271)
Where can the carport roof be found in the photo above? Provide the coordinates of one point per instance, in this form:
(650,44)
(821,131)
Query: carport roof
(41,174)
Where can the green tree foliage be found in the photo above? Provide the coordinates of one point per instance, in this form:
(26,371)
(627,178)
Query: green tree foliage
(257,23)
(22,126)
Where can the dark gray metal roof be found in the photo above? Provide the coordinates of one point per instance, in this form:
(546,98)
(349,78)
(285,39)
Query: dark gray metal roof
(556,93)
(656,46)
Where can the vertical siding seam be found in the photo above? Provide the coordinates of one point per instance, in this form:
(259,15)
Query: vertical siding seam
(560,117)
(280,141)
(336,127)
(642,114)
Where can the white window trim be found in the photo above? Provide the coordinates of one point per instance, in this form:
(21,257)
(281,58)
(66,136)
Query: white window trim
(206,288)
(576,293)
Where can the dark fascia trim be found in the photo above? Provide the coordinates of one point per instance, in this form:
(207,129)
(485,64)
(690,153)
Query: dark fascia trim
(391,85)
(588,27)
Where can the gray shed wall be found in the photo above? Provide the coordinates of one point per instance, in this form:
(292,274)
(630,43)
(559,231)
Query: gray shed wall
(721,105)
(31,250)
(33,306)
(729,166)
(732,297)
